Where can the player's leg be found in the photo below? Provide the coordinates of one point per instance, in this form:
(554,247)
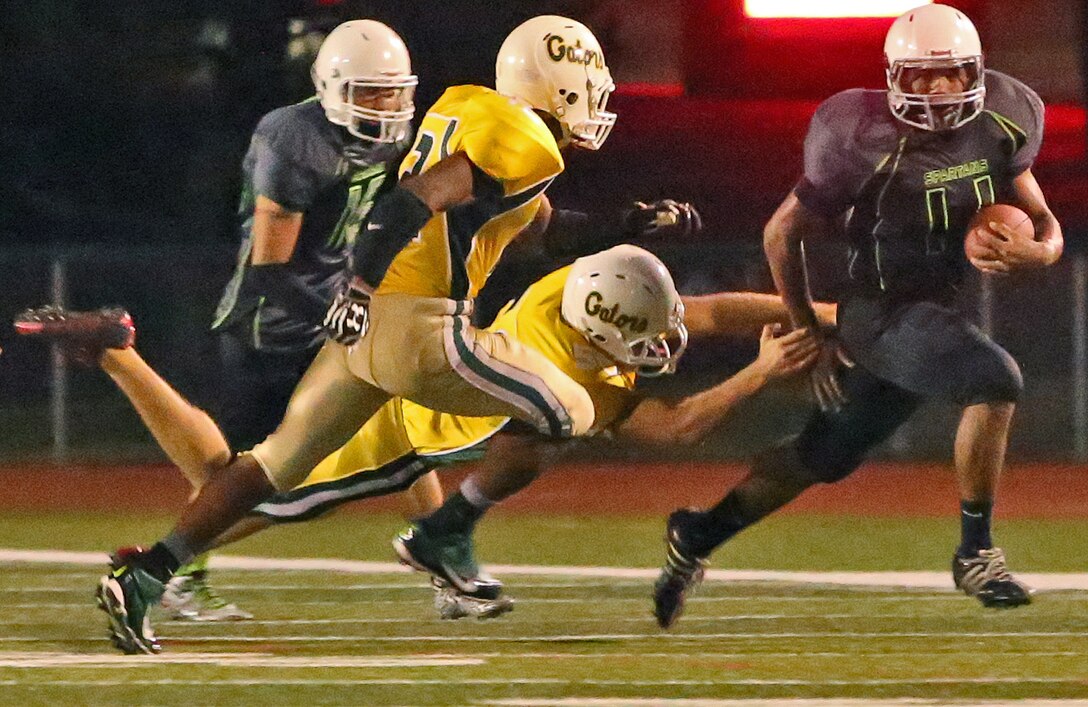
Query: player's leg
(463,370)
(105,338)
(978,568)
(441,543)
(328,407)
(832,445)
(188,436)
(935,352)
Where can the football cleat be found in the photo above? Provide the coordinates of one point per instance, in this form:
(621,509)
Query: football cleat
(189,597)
(985,577)
(682,571)
(448,557)
(82,336)
(452,604)
(126,594)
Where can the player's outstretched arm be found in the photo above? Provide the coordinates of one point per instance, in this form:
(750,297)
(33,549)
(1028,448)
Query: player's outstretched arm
(689,420)
(188,436)
(742,313)
(563,233)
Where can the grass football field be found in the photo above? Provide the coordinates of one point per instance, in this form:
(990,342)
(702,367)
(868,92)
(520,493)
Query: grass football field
(366,634)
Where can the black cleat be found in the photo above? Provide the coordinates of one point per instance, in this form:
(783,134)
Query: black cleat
(683,569)
(985,577)
(82,336)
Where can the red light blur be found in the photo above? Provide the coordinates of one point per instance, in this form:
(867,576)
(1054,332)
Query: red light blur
(828,8)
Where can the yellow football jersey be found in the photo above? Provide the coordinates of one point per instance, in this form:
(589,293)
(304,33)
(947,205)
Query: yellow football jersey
(403,428)
(455,252)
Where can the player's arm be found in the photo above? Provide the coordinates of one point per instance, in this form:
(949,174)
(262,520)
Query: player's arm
(742,313)
(275,234)
(783,239)
(1046,248)
(689,420)
(400,213)
(566,233)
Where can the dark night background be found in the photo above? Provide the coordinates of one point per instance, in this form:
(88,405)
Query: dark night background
(124,124)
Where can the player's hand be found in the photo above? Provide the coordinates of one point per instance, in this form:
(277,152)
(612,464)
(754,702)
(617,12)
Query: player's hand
(1015,250)
(782,355)
(349,315)
(1002,250)
(825,374)
(663,217)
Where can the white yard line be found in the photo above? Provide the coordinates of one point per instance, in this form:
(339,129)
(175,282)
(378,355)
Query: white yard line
(250,660)
(627,702)
(926,580)
(562,638)
(272,682)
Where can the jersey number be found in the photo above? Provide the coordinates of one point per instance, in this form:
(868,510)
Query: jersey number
(364,187)
(937,211)
(425,144)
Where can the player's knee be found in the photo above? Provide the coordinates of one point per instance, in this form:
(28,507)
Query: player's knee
(996,380)
(827,458)
(282,476)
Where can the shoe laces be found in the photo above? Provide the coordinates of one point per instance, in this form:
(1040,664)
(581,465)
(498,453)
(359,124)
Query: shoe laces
(686,567)
(987,566)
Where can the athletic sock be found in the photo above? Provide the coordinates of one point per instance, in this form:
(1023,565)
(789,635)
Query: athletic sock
(974,527)
(457,515)
(720,523)
(165,557)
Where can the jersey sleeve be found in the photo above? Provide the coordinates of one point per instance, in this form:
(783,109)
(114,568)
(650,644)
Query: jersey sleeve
(510,144)
(830,178)
(279,173)
(1021,112)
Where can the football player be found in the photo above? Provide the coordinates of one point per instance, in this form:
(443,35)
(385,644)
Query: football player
(601,320)
(473,180)
(311,173)
(908,166)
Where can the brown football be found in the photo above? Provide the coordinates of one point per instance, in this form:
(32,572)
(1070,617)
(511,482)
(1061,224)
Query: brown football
(1007,214)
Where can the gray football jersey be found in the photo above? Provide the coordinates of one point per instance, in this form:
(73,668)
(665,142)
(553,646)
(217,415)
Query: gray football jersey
(909,194)
(300,160)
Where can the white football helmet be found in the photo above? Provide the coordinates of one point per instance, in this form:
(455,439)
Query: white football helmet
(623,301)
(934,37)
(556,65)
(364,55)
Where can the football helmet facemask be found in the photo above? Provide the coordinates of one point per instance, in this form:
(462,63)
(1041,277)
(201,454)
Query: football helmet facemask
(928,40)
(623,301)
(556,66)
(363,64)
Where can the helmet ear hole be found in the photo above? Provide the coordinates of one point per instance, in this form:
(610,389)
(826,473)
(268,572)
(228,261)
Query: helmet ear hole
(572,98)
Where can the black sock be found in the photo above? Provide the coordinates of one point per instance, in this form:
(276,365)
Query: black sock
(720,523)
(159,562)
(974,527)
(456,515)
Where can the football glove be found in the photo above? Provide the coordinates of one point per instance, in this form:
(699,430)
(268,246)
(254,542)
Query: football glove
(664,217)
(348,317)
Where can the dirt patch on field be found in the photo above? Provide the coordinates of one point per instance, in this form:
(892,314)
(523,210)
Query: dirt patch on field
(1034,490)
